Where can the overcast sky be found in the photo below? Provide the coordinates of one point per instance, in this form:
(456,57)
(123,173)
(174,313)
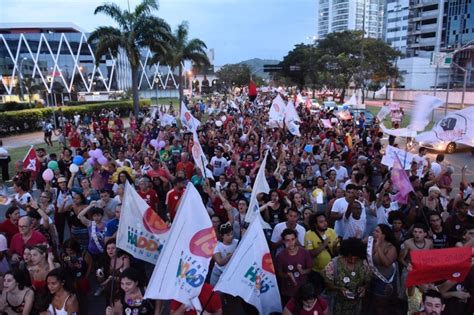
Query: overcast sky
(236,29)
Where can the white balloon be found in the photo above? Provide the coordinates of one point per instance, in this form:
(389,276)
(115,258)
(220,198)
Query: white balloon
(218,123)
(223,118)
(73,168)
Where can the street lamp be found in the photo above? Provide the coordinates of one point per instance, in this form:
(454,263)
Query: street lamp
(156,80)
(469,45)
(21,78)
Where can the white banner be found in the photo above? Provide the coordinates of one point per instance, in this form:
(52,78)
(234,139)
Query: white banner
(200,160)
(390,156)
(381,92)
(424,106)
(292,120)
(250,273)
(277,111)
(188,120)
(384,111)
(184,262)
(401,132)
(456,127)
(141,231)
(260,186)
(167,119)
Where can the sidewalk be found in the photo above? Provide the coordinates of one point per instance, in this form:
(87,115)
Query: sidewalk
(26,139)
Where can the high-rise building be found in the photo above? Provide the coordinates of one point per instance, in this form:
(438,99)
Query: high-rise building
(396,24)
(426,27)
(459,23)
(342,15)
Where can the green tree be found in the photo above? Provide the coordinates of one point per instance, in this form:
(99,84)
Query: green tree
(136,30)
(236,74)
(181,49)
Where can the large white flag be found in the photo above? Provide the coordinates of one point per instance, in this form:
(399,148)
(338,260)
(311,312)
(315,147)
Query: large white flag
(292,120)
(141,231)
(250,272)
(166,119)
(277,111)
(184,262)
(199,158)
(424,106)
(187,119)
(381,92)
(384,111)
(260,186)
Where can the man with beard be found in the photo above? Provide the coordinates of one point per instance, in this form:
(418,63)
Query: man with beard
(432,303)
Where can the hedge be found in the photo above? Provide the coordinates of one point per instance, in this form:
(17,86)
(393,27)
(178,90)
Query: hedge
(11,106)
(29,120)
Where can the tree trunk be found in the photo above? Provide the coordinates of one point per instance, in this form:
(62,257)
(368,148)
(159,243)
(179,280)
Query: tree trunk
(180,88)
(135,97)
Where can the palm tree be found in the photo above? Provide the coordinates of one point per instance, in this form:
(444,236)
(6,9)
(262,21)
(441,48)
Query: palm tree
(136,30)
(180,50)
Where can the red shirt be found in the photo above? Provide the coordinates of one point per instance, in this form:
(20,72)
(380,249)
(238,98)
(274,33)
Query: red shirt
(318,308)
(213,305)
(8,229)
(104,123)
(187,167)
(17,245)
(172,199)
(150,197)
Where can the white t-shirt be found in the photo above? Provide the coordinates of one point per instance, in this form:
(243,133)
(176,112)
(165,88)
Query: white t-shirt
(280,227)
(23,200)
(340,206)
(224,249)
(436,168)
(341,174)
(120,163)
(219,165)
(382,213)
(353,227)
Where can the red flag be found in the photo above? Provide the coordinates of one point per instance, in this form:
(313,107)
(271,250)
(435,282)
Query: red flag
(439,264)
(31,162)
(252,88)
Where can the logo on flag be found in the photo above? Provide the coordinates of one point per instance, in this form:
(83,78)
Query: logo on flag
(141,231)
(183,264)
(250,272)
(31,162)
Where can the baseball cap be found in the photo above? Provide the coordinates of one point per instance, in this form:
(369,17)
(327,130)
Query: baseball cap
(62,179)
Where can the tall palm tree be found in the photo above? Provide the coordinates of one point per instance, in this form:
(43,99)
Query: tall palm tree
(180,50)
(136,30)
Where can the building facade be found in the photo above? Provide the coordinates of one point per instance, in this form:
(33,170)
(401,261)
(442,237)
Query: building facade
(51,59)
(342,15)
(396,24)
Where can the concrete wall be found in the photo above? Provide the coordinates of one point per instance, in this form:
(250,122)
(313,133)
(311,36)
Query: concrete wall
(410,95)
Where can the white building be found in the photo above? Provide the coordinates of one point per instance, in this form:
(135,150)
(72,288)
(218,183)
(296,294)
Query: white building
(396,24)
(341,15)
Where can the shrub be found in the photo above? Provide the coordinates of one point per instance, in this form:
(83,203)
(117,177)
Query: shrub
(28,120)
(11,106)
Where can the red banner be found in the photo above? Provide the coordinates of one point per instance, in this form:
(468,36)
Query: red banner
(439,264)
(31,162)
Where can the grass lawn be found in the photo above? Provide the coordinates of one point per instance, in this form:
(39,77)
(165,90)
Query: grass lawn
(387,122)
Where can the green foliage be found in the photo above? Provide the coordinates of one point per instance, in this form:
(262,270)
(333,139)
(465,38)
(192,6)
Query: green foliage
(341,58)
(28,120)
(9,106)
(239,74)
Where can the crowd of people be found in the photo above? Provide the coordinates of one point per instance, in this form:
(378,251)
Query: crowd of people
(340,242)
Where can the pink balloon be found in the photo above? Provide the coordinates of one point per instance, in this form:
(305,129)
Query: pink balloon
(48,175)
(91,153)
(154,143)
(102,160)
(161,144)
(91,161)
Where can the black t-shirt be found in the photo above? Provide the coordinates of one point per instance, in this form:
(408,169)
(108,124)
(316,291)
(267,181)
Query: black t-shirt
(440,240)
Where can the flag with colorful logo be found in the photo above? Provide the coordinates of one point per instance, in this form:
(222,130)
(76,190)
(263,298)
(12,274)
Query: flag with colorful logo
(260,186)
(183,264)
(200,158)
(188,120)
(250,272)
(31,161)
(141,231)
(292,120)
(277,111)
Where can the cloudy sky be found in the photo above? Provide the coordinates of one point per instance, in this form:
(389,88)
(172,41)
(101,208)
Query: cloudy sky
(236,29)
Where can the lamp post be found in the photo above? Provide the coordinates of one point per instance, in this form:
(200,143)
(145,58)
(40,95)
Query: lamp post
(156,80)
(21,78)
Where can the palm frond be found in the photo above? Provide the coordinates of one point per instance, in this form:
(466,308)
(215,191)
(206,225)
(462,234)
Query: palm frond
(106,45)
(112,10)
(145,7)
(102,32)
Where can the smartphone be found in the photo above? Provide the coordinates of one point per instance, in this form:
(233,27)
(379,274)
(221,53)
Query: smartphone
(28,199)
